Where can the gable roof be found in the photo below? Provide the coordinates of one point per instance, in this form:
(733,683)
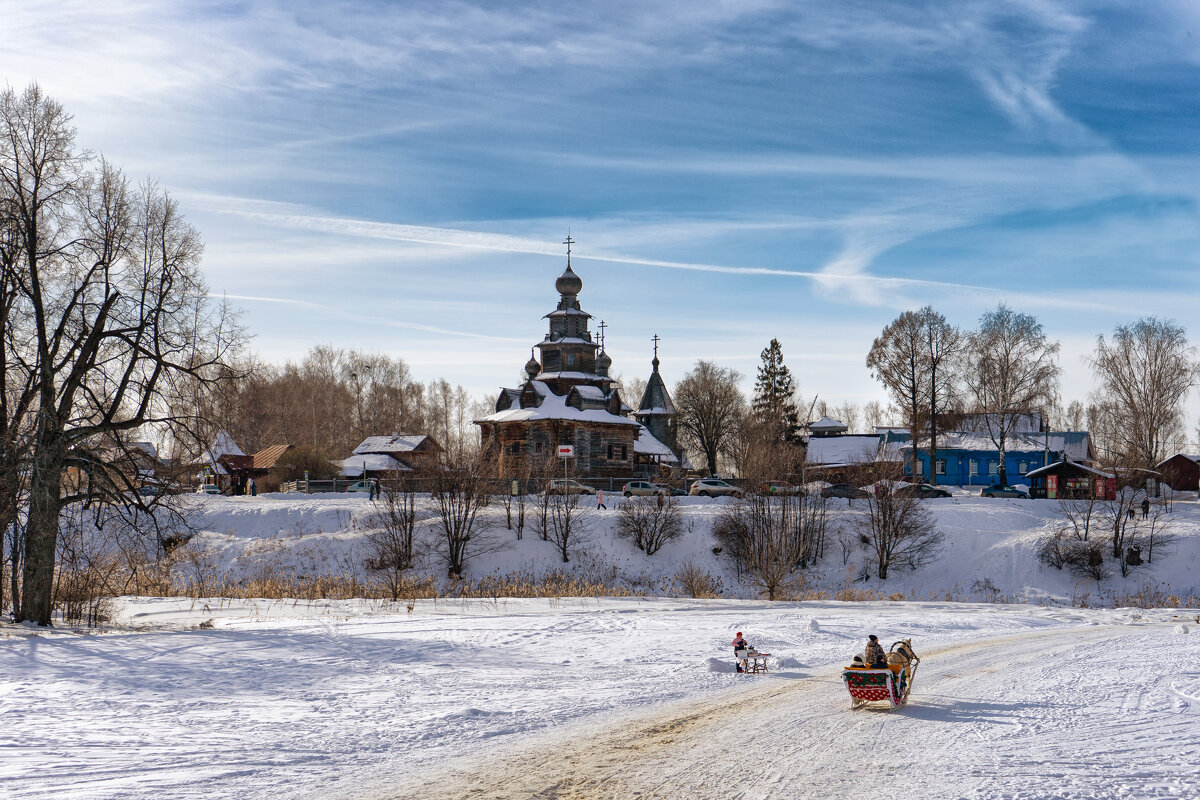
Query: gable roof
(396,443)
(373,462)
(1188,456)
(853,448)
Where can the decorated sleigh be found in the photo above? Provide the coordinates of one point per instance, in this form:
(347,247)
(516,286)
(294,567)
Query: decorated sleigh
(890,684)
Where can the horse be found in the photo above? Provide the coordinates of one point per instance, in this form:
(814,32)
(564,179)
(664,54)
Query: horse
(901,653)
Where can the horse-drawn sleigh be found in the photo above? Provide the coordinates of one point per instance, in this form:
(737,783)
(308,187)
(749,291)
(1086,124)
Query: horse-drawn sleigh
(890,684)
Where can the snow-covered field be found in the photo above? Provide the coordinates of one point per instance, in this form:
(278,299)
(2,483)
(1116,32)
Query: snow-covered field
(587,698)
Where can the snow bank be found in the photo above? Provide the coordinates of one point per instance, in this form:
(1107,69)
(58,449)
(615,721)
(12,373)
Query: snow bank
(990,553)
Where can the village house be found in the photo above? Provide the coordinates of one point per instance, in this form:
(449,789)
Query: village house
(388,456)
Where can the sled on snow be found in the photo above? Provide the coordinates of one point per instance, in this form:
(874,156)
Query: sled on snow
(890,684)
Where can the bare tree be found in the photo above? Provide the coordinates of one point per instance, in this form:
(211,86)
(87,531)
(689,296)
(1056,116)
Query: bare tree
(460,490)
(1145,372)
(917,359)
(711,408)
(770,536)
(114,317)
(390,544)
(569,522)
(896,360)
(649,522)
(897,528)
(1012,372)
(874,416)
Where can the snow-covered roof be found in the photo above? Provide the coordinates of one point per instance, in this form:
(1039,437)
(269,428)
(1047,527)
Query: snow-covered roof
(647,445)
(1033,473)
(373,462)
(567,312)
(850,449)
(828,424)
(591,392)
(555,406)
(224,445)
(1188,456)
(396,443)
(1073,444)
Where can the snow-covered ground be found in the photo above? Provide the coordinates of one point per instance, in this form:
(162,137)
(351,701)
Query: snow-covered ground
(596,698)
(575,698)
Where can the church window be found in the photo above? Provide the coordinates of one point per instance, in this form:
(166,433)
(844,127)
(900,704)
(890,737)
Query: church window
(624,453)
(610,452)
(570,359)
(514,448)
(537,447)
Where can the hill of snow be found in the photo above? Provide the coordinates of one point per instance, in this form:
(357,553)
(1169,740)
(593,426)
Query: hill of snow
(990,551)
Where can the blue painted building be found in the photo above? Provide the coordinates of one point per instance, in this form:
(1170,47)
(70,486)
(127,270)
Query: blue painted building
(971,459)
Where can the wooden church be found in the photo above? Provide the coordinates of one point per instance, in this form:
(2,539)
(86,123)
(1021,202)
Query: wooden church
(569,398)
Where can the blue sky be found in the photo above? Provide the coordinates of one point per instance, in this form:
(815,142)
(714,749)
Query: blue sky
(399,176)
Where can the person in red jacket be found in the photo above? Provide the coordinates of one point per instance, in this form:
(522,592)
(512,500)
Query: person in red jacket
(740,644)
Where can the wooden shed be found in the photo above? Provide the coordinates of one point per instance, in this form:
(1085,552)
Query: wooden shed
(1181,472)
(1069,480)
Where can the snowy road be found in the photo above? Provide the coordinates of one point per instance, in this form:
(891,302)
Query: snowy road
(595,699)
(1077,713)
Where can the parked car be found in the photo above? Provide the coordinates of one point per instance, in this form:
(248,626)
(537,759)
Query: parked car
(562,486)
(360,486)
(208,488)
(643,489)
(781,487)
(921,490)
(155,490)
(1004,490)
(711,487)
(846,490)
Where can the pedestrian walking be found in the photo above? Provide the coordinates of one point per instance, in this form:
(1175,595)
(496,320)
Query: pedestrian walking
(600,499)
(1145,507)
(253,488)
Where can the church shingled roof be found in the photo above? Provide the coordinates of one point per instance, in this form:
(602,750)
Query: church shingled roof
(656,399)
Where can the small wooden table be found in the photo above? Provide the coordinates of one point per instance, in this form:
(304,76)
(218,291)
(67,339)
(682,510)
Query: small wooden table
(753,662)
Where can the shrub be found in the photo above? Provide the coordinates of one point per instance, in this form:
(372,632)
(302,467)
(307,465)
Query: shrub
(649,522)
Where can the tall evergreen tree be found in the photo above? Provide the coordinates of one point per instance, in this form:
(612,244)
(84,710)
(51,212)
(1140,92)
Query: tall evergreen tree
(774,403)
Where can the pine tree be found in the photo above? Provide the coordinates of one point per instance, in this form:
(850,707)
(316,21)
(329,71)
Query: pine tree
(775,394)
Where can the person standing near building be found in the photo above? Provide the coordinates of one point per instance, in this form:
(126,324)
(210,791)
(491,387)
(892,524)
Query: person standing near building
(600,499)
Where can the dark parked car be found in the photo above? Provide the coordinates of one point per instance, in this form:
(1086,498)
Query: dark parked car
(921,490)
(843,490)
(1004,490)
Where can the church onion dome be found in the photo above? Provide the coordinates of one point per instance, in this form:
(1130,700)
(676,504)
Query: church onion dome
(603,362)
(532,368)
(568,282)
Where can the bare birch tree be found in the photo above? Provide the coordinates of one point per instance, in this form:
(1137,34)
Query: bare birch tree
(1012,372)
(1145,373)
